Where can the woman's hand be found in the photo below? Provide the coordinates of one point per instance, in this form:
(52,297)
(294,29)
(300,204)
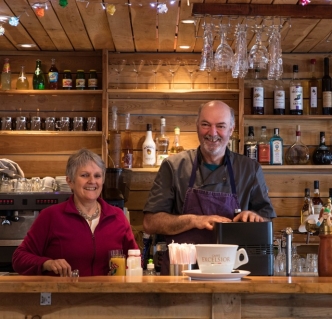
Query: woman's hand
(58,266)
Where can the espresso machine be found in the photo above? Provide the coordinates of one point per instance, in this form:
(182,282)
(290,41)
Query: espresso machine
(17,213)
(116,186)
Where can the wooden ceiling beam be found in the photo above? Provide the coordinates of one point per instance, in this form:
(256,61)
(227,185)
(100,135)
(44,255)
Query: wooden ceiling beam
(309,11)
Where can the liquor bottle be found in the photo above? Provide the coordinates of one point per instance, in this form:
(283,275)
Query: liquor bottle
(276,145)
(233,142)
(127,145)
(38,77)
(22,82)
(114,142)
(250,146)
(307,208)
(176,146)
(279,98)
(149,148)
(326,89)
(298,152)
(257,95)
(53,76)
(6,76)
(316,200)
(322,154)
(296,93)
(313,90)
(263,148)
(162,142)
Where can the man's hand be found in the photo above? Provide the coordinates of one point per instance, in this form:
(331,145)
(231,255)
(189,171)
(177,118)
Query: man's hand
(248,216)
(208,221)
(58,266)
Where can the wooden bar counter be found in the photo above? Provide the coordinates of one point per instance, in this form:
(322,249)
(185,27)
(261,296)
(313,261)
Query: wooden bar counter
(164,297)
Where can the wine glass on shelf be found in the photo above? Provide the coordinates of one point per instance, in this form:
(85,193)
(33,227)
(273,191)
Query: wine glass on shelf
(118,68)
(155,64)
(173,66)
(137,67)
(191,65)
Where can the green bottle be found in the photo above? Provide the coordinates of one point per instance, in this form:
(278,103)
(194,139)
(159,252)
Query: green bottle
(38,77)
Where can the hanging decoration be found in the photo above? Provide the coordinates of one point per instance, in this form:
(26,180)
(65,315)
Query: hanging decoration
(111,9)
(2,30)
(304,2)
(14,21)
(40,12)
(162,8)
(63,3)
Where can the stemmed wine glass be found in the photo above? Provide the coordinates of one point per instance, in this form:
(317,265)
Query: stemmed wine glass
(191,65)
(155,64)
(137,67)
(258,55)
(118,67)
(173,66)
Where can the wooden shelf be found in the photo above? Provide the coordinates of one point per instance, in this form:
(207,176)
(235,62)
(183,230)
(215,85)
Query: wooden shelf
(287,117)
(151,91)
(51,133)
(51,92)
(292,168)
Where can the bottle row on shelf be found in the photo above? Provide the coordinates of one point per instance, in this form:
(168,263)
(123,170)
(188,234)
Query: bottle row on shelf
(121,152)
(270,151)
(49,80)
(296,93)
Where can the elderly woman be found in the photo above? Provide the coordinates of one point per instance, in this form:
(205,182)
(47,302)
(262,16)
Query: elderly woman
(78,233)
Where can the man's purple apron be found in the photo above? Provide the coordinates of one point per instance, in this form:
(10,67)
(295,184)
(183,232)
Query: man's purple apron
(201,202)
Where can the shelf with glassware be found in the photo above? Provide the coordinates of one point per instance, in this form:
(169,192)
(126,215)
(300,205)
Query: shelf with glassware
(52,92)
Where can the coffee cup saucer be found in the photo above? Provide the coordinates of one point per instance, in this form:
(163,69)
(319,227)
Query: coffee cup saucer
(196,274)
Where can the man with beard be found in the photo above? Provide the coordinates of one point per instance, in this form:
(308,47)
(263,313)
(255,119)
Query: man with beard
(197,188)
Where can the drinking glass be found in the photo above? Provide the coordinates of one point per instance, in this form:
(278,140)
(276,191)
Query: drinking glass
(207,62)
(275,67)
(223,58)
(240,60)
(155,65)
(280,260)
(137,67)
(173,66)
(118,68)
(258,55)
(117,262)
(191,65)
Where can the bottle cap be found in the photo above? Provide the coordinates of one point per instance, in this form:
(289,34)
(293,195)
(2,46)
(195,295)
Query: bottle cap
(313,61)
(150,266)
(149,127)
(177,130)
(316,184)
(295,68)
(134,252)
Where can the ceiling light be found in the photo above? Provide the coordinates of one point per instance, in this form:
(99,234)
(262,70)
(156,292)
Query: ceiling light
(26,45)
(184,46)
(4,18)
(188,21)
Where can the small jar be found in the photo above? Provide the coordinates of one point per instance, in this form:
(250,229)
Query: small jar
(93,80)
(80,80)
(67,81)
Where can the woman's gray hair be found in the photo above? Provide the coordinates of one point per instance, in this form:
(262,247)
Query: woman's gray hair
(217,102)
(81,158)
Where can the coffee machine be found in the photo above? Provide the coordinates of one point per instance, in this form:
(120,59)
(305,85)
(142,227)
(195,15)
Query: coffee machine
(116,186)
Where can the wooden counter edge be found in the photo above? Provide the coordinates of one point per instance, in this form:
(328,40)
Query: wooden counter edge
(165,284)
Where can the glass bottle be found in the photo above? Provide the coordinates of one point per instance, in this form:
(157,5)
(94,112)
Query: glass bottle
(326,89)
(250,146)
(313,89)
(307,208)
(67,81)
(264,148)
(296,93)
(93,80)
(162,142)
(114,142)
(276,145)
(279,98)
(6,76)
(22,82)
(176,146)
(316,200)
(80,80)
(257,92)
(298,152)
(149,148)
(322,154)
(53,76)
(38,77)
(127,145)
(233,143)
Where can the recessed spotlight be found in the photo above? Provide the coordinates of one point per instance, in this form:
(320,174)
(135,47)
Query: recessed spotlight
(26,45)
(184,46)
(188,21)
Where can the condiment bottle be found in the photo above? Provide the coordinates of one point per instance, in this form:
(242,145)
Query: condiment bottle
(80,80)
(134,267)
(53,75)
(150,268)
(93,80)
(67,81)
